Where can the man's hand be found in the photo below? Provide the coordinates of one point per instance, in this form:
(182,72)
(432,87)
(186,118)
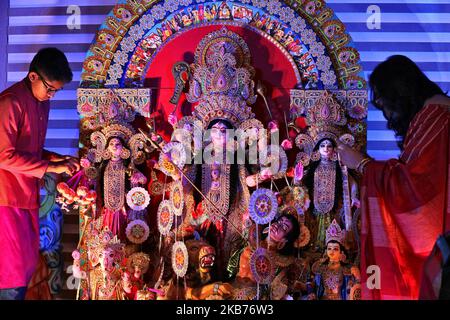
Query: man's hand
(69,166)
(55,157)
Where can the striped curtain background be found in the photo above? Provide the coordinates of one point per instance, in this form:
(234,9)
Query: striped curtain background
(419,29)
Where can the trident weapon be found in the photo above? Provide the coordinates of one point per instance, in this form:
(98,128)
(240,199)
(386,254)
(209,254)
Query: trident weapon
(261,90)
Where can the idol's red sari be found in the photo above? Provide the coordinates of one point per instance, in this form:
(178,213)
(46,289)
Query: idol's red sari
(405,205)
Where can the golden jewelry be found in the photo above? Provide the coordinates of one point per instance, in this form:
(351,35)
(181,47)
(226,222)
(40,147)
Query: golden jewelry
(362,164)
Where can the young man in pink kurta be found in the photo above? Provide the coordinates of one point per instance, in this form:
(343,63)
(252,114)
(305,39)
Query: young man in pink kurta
(24,111)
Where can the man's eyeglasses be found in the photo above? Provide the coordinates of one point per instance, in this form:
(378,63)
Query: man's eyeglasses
(48,86)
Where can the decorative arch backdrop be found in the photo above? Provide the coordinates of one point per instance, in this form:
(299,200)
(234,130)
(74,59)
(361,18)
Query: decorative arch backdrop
(419,29)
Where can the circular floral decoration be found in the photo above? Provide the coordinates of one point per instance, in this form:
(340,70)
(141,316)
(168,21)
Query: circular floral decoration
(137,231)
(91,172)
(262,266)
(263,206)
(175,152)
(304,238)
(165,217)
(355,292)
(176,197)
(138,198)
(180,258)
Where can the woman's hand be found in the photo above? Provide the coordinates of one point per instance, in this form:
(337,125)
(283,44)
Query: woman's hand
(251,181)
(172,119)
(356,203)
(286,144)
(266,174)
(349,157)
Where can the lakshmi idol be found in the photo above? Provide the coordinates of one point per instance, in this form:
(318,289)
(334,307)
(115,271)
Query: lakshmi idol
(110,165)
(113,171)
(332,190)
(325,182)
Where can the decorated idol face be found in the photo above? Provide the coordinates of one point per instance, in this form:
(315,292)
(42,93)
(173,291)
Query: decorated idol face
(219,133)
(326,149)
(334,251)
(126,277)
(106,258)
(115,147)
(137,272)
(280,229)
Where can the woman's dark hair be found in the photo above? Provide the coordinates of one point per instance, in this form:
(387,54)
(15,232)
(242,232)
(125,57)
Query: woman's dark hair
(308,180)
(225,122)
(400,88)
(340,244)
(53,64)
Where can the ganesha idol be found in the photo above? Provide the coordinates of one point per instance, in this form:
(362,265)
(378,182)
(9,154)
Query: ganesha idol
(105,277)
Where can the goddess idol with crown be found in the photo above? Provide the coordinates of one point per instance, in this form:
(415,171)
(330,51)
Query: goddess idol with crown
(332,190)
(334,279)
(221,84)
(109,166)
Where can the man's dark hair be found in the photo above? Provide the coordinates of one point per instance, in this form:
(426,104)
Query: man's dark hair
(399,86)
(53,64)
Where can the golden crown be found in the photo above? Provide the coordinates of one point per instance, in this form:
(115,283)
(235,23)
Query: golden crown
(105,239)
(222,79)
(334,232)
(140,259)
